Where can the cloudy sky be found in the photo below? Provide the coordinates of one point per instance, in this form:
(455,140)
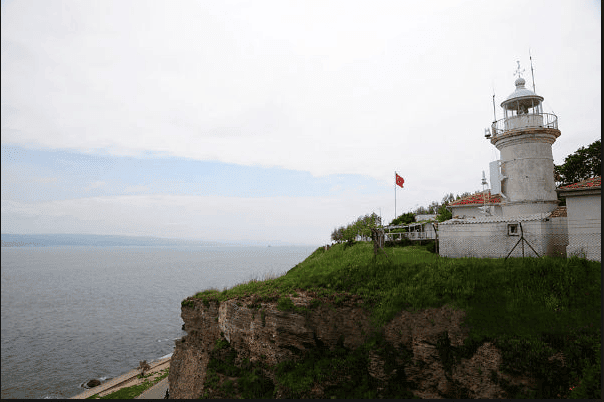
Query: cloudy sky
(270,120)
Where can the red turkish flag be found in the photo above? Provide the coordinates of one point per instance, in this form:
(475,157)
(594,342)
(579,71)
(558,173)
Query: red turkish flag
(399,180)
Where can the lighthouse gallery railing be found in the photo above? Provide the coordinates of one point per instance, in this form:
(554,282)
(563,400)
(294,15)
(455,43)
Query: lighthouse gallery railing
(546,120)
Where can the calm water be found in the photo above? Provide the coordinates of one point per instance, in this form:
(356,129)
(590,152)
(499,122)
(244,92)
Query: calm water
(70,314)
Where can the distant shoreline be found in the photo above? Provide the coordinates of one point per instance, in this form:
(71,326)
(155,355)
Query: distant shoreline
(42,240)
(19,244)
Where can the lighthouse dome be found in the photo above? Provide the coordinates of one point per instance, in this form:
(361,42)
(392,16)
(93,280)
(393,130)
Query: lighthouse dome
(521,97)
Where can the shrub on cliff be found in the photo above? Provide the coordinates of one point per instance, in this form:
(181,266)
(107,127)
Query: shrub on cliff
(285,304)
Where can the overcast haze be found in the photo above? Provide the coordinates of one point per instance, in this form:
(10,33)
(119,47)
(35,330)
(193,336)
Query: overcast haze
(270,120)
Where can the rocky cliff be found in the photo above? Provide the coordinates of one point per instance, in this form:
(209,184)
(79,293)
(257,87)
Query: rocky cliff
(308,348)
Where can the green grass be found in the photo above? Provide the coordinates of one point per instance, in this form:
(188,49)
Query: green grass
(135,390)
(528,307)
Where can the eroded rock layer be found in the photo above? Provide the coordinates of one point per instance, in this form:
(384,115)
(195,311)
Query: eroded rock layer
(239,348)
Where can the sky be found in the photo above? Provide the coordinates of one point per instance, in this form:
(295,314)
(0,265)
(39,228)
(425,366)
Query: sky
(271,121)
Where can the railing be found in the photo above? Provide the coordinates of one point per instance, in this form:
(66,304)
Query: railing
(546,120)
(410,235)
(414,232)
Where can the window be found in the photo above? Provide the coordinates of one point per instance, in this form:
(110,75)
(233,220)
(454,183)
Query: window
(513,229)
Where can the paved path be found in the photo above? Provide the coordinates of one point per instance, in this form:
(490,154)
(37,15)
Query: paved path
(119,382)
(158,391)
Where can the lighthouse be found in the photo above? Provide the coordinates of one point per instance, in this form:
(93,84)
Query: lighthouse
(524,218)
(524,175)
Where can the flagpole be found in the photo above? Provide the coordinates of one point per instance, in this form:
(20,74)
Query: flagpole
(395,194)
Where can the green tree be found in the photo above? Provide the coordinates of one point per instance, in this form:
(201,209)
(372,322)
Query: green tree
(350,234)
(143,366)
(580,165)
(360,228)
(403,219)
(443,213)
(448,198)
(374,220)
(421,211)
(433,207)
(364,224)
(338,234)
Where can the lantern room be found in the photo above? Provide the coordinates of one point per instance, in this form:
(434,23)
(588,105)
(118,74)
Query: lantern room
(522,109)
(522,101)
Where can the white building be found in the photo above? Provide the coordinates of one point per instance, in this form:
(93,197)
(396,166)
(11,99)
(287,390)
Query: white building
(583,205)
(468,207)
(524,220)
(425,217)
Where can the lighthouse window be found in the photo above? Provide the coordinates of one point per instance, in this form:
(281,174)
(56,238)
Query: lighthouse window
(513,229)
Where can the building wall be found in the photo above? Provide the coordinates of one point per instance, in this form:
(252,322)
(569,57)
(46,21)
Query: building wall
(584,226)
(556,232)
(466,210)
(473,211)
(491,240)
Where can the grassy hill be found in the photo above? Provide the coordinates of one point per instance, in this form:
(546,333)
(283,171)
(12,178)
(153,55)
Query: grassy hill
(527,307)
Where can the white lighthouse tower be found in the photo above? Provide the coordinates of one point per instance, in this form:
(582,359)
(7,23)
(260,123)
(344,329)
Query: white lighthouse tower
(527,213)
(525,174)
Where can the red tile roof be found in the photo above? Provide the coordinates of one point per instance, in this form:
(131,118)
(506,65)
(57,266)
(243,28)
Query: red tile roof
(559,212)
(593,182)
(476,199)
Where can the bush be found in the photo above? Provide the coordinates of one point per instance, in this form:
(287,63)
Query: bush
(404,219)
(285,304)
(431,246)
(404,242)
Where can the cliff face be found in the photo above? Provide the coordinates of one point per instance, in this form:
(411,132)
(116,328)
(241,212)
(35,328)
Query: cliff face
(242,348)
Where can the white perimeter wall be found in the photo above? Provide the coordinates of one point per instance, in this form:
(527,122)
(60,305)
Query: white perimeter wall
(584,226)
(473,211)
(491,240)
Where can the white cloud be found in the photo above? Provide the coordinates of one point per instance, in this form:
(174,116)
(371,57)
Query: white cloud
(94,185)
(44,180)
(136,189)
(327,87)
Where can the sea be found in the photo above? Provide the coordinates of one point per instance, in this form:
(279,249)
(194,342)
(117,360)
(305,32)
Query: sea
(75,313)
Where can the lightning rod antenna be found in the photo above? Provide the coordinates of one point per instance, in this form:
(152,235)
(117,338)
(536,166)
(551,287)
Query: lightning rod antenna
(494,114)
(532,75)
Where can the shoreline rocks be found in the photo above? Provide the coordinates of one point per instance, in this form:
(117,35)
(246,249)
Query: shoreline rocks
(93,383)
